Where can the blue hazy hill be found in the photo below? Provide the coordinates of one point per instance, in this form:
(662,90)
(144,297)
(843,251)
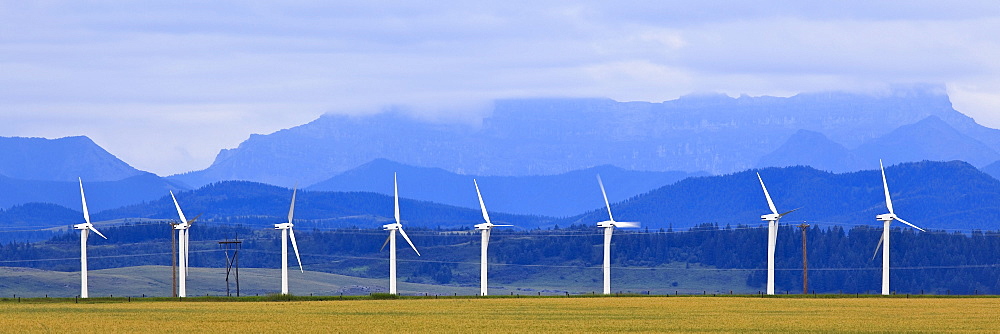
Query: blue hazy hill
(100,195)
(63,159)
(47,171)
(932,195)
(548,195)
(243,202)
(712,133)
(992,169)
(929,139)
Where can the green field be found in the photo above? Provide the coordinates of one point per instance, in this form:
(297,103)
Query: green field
(552,314)
(156,280)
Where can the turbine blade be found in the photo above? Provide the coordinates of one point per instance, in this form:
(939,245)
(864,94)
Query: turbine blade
(395,189)
(885,185)
(86,213)
(482,205)
(502,225)
(881,236)
(386,242)
(96,231)
(191,222)
(179,212)
(626,224)
(403,233)
(908,223)
(608,205)
(768,195)
(291,209)
(291,233)
(783,214)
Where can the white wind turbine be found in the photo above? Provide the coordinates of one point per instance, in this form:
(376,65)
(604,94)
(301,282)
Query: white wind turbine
(391,240)
(887,219)
(85,229)
(184,240)
(286,230)
(772,235)
(609,227)
(485,229)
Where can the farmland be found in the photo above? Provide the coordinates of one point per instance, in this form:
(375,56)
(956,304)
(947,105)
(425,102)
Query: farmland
(713,314)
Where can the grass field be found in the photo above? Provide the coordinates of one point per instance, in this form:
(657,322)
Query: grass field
(156,281)
(612,314)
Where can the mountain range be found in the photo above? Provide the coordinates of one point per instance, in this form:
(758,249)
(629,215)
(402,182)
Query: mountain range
(932,195)
(547,195)
(543,157)
(716,134)
(48,171)
(929,139)
(62,159)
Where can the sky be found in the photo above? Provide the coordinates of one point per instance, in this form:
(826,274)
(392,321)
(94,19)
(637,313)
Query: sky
(164,85)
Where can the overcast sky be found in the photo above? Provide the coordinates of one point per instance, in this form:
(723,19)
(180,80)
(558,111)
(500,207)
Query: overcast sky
(165,85)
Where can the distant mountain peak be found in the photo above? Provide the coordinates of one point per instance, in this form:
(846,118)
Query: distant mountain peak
(810,148)
(930,138)
(62,159)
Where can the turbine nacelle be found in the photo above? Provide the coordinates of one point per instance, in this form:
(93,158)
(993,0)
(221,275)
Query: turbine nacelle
(770,217)
(487,226)
(390,227)
(612,223)
(283,226)
(88,226)
(886,217)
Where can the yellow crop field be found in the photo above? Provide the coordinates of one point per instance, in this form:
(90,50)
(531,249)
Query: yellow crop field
(596,315)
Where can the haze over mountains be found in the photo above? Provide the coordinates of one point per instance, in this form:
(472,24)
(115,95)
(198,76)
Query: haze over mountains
(932,195)
(709,133)
(48,170)
(538,157)
(549,195)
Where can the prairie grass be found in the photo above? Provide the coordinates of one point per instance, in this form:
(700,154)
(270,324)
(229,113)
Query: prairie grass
(576,315)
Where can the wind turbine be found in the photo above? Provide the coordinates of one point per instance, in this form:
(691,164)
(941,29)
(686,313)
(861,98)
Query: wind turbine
(609,227)
(485,229)
(886,219)
(391,240)
(286,230)
(85,229)
(772,235)
(183,238)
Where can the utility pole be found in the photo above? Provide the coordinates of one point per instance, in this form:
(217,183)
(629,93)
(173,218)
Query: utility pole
(232,263)
(173,260)
(805,260)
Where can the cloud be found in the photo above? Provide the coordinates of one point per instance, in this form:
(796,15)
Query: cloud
(195,77)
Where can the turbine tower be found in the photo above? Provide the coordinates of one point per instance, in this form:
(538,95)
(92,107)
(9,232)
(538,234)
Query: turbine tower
(772,235)
(609,227)
(484,228)
(887,219)
(286,230)
(391,240)
(183,240)
(85,229)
